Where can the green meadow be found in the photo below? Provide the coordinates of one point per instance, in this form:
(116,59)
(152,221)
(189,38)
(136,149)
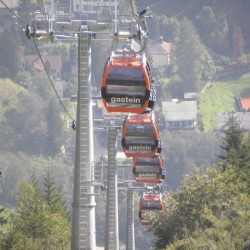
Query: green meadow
(221,97)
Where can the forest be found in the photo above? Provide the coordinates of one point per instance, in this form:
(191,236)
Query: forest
(207,183)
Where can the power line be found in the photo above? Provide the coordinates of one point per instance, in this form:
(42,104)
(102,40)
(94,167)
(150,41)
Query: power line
(53,86)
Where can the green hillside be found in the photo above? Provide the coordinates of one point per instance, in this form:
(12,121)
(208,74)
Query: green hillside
(9,95)
(221,98)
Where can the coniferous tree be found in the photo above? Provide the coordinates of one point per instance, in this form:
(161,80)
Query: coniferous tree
(52,195)
(232,138)
(32,213)
(34,226)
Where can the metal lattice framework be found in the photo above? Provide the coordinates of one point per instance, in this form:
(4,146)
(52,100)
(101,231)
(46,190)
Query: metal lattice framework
(83,219)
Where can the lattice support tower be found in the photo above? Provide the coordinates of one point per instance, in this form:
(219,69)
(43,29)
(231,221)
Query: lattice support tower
(83,218)
(130,220)
(112,232)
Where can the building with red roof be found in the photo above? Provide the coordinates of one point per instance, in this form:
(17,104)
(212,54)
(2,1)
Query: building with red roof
(245,103)
(54,62)
(160,52)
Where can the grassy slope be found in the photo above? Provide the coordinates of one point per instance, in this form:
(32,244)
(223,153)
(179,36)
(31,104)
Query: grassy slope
(221,98)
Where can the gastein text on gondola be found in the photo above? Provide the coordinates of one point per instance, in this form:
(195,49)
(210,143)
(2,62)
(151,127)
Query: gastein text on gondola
(126,99)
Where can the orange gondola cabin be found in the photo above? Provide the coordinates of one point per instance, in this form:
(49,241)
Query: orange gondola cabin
(126,84)
(151,201)
(140,136)
(148,170)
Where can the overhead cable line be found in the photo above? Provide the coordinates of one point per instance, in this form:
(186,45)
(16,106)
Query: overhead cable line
(39,54)
(53,86)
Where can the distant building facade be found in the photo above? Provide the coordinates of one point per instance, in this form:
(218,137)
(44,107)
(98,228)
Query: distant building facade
(180,114)
(160,51)
(87,10)
(242,117)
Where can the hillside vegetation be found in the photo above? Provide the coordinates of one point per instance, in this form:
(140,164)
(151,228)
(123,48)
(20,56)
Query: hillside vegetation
(9,95)
(221,97)
(211,209)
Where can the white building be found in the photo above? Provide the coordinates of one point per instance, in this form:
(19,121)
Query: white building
(242,117)
(90,8)
(160,51)
(180,115)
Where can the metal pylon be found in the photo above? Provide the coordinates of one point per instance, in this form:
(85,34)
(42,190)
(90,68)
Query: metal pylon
(112,232)
(130,220)
(83,218)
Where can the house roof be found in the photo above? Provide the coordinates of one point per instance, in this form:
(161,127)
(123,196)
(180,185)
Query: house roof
(242,117)
(54,61)
(159,46)
(177,110)
(245,103)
